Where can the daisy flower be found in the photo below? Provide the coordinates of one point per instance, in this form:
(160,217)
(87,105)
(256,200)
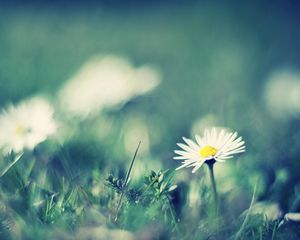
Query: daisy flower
(214,145)
(106,82)
(26,125)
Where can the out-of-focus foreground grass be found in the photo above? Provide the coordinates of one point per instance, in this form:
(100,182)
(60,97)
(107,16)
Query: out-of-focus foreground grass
(233,65)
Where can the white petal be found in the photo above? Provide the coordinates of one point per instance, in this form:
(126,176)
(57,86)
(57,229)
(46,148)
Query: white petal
(183,165)
(199,140)
(197,167)
(191,143)
(185,147)
(220,159)
(179,158)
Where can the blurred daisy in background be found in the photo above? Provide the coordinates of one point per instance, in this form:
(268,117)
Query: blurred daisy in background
(292,216)
(136,130)
(205,122)
(194,196)
(26,125)
(282,93)
(106,82)
(215,145)
(102,233)
(270,210)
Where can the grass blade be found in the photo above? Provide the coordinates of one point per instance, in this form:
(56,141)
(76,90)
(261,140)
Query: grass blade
(239,233)
(126,181)
(5,170)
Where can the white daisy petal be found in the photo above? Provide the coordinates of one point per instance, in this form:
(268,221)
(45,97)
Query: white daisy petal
(185,147)
(197,167)
(214,136)
(220,159)
(223,157)
(179,158)
(179,152)
(220,138)
(199,140)
(191,143)
(183,165)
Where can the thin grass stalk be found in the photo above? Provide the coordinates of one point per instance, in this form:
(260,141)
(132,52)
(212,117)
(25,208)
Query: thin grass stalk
(126,181)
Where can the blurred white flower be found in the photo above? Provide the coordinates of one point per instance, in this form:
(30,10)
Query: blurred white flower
(136,130)
(226,177)
(103,233)
(216,145)
(269,210)
(292,217)
(103,126)
(282,93)
(26,125)
(194,195)
(144,166)
(106,82)
(207,121)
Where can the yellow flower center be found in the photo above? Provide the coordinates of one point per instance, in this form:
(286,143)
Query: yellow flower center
(19,129)
(208,151)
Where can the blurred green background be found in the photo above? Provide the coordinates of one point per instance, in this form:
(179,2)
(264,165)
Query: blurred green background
(216,59)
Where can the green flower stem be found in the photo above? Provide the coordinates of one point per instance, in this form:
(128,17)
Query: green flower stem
(210,165)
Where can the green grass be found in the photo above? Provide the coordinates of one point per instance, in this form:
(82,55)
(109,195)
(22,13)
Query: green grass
(48,200)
